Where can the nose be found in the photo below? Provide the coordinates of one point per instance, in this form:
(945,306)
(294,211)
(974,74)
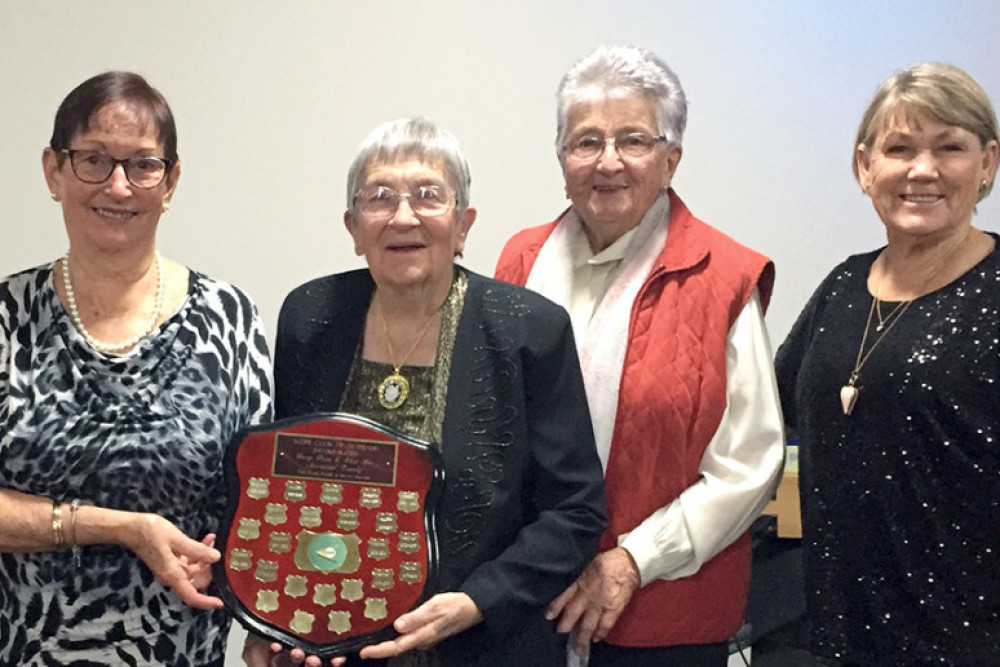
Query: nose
(404,214)
(118,184)
(609,159)
(923,165)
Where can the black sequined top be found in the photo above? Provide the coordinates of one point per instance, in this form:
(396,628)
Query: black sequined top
(900,499)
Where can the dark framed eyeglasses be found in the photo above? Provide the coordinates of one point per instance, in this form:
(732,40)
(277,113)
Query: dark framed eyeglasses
(95,167)
(382,202)
(627,144)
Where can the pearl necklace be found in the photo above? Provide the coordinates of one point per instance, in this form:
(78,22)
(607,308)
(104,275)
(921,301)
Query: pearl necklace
(101,346)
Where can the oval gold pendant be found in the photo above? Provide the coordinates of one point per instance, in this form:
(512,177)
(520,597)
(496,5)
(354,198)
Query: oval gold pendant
(393,391)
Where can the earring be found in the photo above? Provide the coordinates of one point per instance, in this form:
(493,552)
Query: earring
(166,206)
(985,184)
(54,196)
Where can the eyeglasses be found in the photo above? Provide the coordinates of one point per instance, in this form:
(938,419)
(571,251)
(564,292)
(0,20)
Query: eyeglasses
(94,167)
(382,202)
(627,145)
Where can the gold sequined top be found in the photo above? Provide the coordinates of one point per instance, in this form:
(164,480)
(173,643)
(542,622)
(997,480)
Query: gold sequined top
(422,415)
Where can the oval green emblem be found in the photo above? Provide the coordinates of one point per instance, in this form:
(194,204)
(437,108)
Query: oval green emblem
(327,552)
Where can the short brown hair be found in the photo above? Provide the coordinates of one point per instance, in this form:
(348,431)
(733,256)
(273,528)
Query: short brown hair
(78,109)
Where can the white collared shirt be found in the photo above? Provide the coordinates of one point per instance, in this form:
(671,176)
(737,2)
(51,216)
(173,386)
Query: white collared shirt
(741,465)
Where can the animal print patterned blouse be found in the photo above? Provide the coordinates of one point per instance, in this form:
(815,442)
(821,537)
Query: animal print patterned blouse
(143,432)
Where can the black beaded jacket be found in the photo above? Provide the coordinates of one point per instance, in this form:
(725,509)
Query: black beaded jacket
(523,502)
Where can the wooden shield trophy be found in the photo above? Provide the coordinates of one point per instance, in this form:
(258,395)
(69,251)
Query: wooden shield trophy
(329,531)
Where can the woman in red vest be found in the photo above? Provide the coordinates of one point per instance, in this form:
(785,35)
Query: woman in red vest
(668,315)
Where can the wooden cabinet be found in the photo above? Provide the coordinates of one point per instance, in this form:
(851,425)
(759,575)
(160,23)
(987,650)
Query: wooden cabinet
(786,506)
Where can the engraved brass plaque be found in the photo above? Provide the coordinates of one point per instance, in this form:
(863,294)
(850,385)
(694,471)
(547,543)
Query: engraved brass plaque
(340,622)
(296,586)
(302,622)
(409,501)
(249,529)
(295,490)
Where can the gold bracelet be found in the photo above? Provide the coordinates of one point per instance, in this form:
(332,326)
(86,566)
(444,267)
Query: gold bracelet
(57,531)
(75,546)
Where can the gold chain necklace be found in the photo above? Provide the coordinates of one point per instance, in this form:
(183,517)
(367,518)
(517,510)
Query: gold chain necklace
(849,392)
(892,313)
(393,391)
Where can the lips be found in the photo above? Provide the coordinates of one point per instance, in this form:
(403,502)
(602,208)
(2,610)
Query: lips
(405,246)
(113,214)
(608,187)
(921,199)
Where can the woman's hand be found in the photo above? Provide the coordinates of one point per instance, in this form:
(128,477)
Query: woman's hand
(593,603)
(442,616)
(258,653)
(177,561)
(199,573)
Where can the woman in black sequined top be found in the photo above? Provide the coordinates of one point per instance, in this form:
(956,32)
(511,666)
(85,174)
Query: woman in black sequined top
(891,379)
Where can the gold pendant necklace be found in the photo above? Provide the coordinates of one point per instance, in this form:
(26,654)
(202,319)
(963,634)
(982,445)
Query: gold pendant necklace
(393,391)
(849,392)
(878,312)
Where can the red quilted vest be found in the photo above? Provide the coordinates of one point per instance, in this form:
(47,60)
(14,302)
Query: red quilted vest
(671,399)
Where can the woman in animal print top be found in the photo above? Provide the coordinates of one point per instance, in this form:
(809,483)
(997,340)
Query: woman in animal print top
(122,377)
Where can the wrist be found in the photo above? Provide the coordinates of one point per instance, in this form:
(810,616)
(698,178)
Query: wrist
(96,525)
(635,574)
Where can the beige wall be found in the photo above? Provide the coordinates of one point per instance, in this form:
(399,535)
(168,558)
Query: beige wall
(272,98)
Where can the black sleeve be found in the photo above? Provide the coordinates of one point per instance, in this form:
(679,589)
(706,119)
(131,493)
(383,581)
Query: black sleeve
(566,484)
(319,328)
(788,360)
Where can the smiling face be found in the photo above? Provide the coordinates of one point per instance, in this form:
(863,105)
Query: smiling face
(113,215)
(611,194)
(923,176)
(406,250)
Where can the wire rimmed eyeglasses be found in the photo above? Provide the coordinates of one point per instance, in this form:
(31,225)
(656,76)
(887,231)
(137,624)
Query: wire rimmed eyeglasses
(626,144)
(382,202)
(94,167)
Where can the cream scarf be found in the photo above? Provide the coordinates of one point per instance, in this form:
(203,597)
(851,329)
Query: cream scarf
(603,344)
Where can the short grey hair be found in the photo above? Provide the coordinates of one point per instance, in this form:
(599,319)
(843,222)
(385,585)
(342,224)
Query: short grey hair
(412,139)
(941,91)
(624,71)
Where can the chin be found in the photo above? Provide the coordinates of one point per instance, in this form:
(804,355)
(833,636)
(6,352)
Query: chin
(405,278)
(919,228)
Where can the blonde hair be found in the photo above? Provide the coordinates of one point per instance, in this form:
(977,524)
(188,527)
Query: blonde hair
(944,92)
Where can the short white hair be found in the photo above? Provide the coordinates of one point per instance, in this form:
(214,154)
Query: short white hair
(624,71)
(412,138)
